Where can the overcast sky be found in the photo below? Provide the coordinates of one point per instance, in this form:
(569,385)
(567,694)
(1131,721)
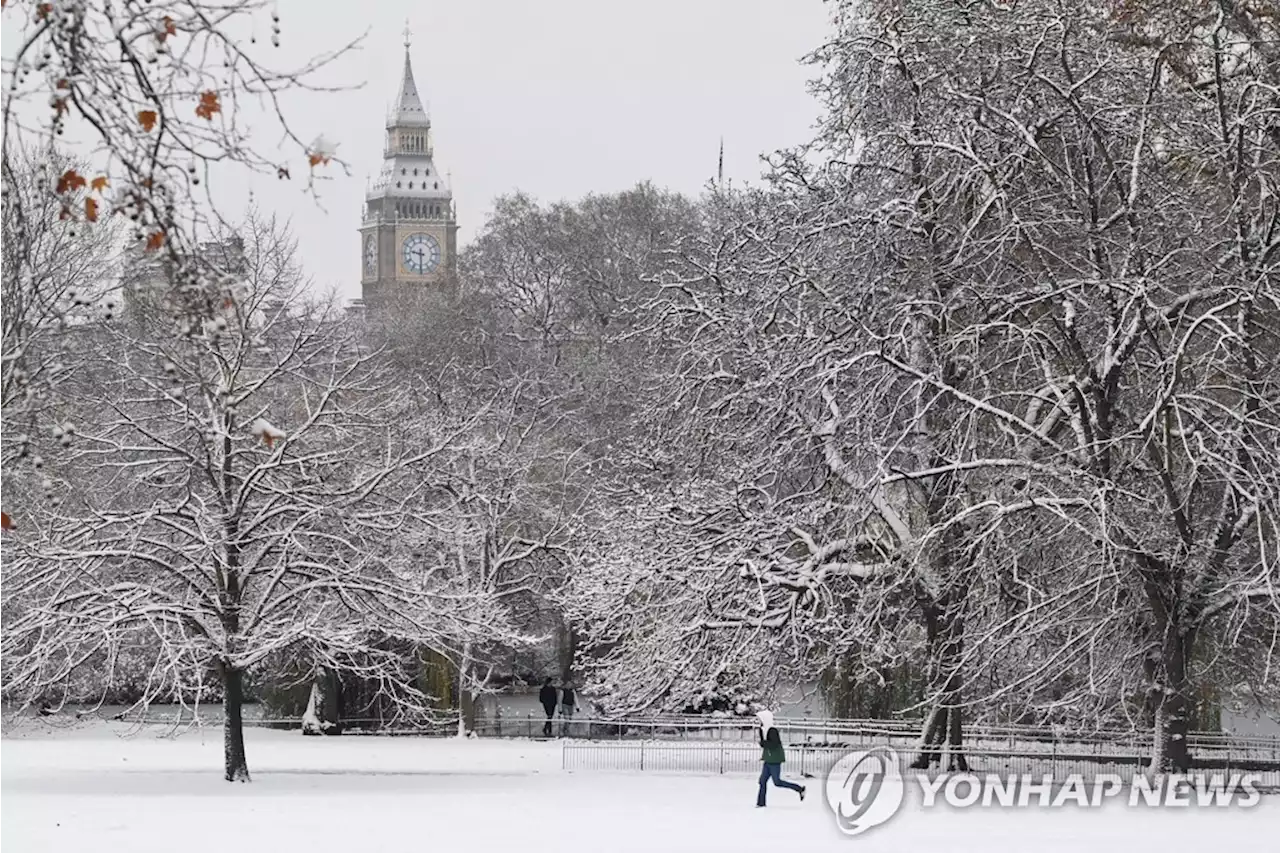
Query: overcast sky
(554,97)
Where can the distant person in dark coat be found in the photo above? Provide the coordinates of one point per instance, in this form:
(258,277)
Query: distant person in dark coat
(773,756)
(547,696)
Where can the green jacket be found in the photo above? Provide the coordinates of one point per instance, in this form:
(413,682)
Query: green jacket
(772,746)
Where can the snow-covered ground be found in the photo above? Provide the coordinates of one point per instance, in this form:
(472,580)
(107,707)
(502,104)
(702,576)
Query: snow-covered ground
(88,789)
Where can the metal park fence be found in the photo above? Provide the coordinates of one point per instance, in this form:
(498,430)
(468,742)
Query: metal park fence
(1213,748)
(668,756)
(816,761)
(724,744)
(901,734)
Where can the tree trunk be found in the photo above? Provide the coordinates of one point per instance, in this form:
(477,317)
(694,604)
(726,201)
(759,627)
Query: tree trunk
(1151,701)
(568,648)
(955,737)
(945,723)
(311,723)
(931,739)
(466,701)
(1170,690)
(237,767)
(1157,742)
(1176,700)
(323,715)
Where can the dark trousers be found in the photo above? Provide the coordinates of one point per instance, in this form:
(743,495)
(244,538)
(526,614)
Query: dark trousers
(551,712)
(774,772)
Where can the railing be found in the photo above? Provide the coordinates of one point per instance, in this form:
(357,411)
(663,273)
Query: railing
(1209,748)
(809,761)
(848,734)
(391,218)
(389,151)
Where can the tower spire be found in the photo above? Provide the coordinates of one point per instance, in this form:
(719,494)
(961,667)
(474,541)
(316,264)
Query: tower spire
(408,227)
(720,170)
(409,108)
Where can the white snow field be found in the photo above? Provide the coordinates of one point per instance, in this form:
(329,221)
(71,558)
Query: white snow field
(90,790)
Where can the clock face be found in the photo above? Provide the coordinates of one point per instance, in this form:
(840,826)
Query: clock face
(421,253)
(370,255)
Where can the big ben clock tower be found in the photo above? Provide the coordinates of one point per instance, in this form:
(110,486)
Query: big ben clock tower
(409,232)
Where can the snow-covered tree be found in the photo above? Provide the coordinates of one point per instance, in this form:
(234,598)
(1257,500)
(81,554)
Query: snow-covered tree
(564,288)
(988,373)
(1100,226)
(770,516)
(162,91)
(509,492)
(56,274)
(256,484)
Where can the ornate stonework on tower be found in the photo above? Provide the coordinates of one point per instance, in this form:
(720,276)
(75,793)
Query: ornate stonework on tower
(409,231)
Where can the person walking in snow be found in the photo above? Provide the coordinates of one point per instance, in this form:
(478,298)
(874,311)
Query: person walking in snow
(773,757)
(547,697)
